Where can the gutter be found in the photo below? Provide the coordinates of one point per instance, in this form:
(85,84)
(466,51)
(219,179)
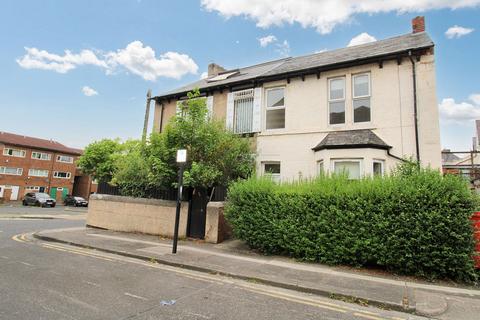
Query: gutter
(415,115)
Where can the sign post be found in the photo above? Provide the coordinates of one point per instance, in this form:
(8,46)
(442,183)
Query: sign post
(181,159)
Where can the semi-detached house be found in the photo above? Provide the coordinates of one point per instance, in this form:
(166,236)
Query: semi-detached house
(362,108)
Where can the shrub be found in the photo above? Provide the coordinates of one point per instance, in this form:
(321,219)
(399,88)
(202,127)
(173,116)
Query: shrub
(414,223)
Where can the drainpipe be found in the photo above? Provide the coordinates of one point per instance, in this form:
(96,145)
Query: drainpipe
(161,118)
(415,115)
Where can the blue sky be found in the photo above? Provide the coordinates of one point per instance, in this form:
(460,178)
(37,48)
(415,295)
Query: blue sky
(47,93)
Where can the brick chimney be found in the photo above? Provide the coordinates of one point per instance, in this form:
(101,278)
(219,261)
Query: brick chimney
(214,69)
(418,24)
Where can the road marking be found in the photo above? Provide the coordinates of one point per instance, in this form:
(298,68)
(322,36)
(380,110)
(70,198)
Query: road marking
(259,289)
(26,263)
(135,296)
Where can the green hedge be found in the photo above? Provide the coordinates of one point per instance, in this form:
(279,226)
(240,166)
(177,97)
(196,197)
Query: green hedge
(416,222)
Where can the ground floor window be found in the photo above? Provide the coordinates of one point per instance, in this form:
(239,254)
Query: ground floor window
(351,167)
(378,167)
(320,168)
(272,169)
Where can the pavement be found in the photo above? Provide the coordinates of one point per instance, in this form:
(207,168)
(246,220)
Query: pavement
(233,259)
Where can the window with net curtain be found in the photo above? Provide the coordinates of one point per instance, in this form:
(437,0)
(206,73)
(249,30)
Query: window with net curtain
(361,98)
(349,167)
(336,100)
(275,109)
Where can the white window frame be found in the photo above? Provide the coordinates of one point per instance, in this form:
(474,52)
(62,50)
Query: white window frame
(3,171)
(237,95)
(6,150)
(320,167)
(55,175)
(267,108)
(275,176)
(34,188)
(344,99)
(42,154)
(32,173)
(382,164)
(359,160)
(59,157)
(369,96)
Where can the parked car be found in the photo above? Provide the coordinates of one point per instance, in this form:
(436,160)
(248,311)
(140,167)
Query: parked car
(75,201)
(39,199)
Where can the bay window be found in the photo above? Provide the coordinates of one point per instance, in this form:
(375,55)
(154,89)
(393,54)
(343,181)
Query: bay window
(351,167)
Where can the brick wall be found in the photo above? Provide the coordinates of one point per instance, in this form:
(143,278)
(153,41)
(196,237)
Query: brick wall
(23,181)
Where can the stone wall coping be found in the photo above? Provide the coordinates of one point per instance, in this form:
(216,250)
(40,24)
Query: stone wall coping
(216,204)
(144,201)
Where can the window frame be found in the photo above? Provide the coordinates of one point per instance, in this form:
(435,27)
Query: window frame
(355,98)
(239,93)
(344,99)
(359,160)
(49,155)
(59,156)
(19,171)
(283,107)
(5,152)
(35,175)
(68,174)
(320,167)
(276,177)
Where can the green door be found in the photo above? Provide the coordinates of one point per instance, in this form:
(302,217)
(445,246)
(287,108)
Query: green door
(64,193)
(53,192)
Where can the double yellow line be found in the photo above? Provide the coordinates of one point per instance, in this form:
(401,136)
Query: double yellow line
(254,288)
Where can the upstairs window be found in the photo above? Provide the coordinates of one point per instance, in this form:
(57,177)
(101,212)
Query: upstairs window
(62,175)
(41,155)
(14,152)
(275,109)
(11,171)
(66,159)
(336,100)
(243,111)
(38,173)
(361,97)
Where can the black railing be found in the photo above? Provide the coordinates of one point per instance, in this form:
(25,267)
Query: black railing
(216,194)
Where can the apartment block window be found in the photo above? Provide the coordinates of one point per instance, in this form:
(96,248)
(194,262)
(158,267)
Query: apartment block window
(275,109)
(272,169)
(336,100)
(38,173)
(14,152)
(66,159)
(243,111)
(350,167)
(361,97)
(61,175)
(378,167)
(41,155)
(11,171)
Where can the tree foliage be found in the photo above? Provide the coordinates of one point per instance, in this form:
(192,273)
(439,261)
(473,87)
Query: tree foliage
(98,159)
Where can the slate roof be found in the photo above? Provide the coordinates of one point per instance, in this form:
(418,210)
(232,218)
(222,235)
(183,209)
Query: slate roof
(316,62)
(36,143)
(364,138)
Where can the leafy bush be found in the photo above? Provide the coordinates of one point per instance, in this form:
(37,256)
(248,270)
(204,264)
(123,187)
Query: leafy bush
(412,222)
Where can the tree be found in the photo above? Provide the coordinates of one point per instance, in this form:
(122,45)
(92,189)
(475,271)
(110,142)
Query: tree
(98,159)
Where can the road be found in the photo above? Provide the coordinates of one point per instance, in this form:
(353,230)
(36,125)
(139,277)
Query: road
(41,280)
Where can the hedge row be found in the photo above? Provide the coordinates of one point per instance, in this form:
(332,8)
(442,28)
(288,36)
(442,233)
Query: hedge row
(416,223)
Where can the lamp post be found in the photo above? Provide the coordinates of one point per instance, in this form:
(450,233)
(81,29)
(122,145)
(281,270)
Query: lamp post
(181,159)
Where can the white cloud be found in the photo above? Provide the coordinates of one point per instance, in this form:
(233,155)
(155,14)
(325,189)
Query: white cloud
(475,98)
(204,75)
(135,58)
(457,32)
(41,59)
(362,38)
(452,111)
(265,41)
(283,48)
(141,60)
(321,50)
(322,15)
(89,91)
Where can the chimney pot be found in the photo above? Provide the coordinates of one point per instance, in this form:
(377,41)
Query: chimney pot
(214,69)
(418,24)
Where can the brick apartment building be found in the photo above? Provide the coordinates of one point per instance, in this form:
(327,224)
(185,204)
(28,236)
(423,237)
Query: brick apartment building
(29,164)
